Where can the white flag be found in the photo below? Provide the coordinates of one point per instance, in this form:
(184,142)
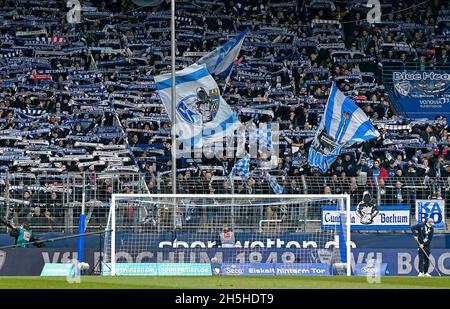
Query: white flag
(202,115)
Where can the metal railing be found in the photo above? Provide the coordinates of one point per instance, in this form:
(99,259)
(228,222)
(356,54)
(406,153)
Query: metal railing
(54,202)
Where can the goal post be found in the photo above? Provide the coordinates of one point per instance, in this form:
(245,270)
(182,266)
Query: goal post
(228,229)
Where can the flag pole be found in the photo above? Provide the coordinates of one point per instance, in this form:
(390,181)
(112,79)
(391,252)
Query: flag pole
(173,101)
(227,80)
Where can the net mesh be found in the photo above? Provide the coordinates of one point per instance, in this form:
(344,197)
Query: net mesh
(225,229)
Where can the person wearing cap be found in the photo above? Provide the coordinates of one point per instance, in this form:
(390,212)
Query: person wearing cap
(423,234)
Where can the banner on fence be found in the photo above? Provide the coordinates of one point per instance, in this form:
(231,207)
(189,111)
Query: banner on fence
(434,209)
(388,217)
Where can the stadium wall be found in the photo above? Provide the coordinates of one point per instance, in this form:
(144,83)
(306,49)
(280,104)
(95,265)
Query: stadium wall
(369,240)
(400,262)
(397,250)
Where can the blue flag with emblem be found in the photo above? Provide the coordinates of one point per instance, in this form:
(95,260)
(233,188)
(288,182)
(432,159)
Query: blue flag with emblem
(343,124)
(202,115)
(220,61)
(274,184)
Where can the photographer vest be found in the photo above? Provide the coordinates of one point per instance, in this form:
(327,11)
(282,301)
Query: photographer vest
(227,240)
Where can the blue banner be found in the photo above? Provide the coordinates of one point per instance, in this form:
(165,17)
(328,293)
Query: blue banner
(434,209)
(371,269)
(272,269)
(403,262)
(31,261)
(423,94)
(313,269)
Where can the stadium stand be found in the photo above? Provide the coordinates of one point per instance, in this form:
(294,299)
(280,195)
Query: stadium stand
(80,116)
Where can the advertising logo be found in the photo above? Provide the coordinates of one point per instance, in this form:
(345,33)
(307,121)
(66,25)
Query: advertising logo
(200,108)
(434,209)
(232,269)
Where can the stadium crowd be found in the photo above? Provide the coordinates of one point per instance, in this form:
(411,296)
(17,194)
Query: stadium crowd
(80,97)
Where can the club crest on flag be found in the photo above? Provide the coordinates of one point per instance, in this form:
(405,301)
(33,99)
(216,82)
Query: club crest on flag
(343,124)
(200,108)
(202,115)
(324,142)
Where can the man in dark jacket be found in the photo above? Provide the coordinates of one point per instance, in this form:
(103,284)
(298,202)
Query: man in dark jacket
(423,233)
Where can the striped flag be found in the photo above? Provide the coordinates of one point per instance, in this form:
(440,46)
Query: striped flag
(220,61)
(342,125)
(274,184)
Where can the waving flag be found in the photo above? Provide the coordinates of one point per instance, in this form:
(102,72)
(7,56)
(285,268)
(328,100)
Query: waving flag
(243,167)
(274,184)
(220,60)
(343,124)
(202,115)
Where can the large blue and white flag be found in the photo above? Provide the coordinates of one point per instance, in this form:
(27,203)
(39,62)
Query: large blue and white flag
(202,115)
(274,184)
(342,125)
(220,61)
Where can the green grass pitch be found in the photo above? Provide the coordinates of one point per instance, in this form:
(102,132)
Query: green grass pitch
(225,282)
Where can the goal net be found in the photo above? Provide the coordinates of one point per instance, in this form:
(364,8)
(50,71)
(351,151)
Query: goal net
(292,233)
